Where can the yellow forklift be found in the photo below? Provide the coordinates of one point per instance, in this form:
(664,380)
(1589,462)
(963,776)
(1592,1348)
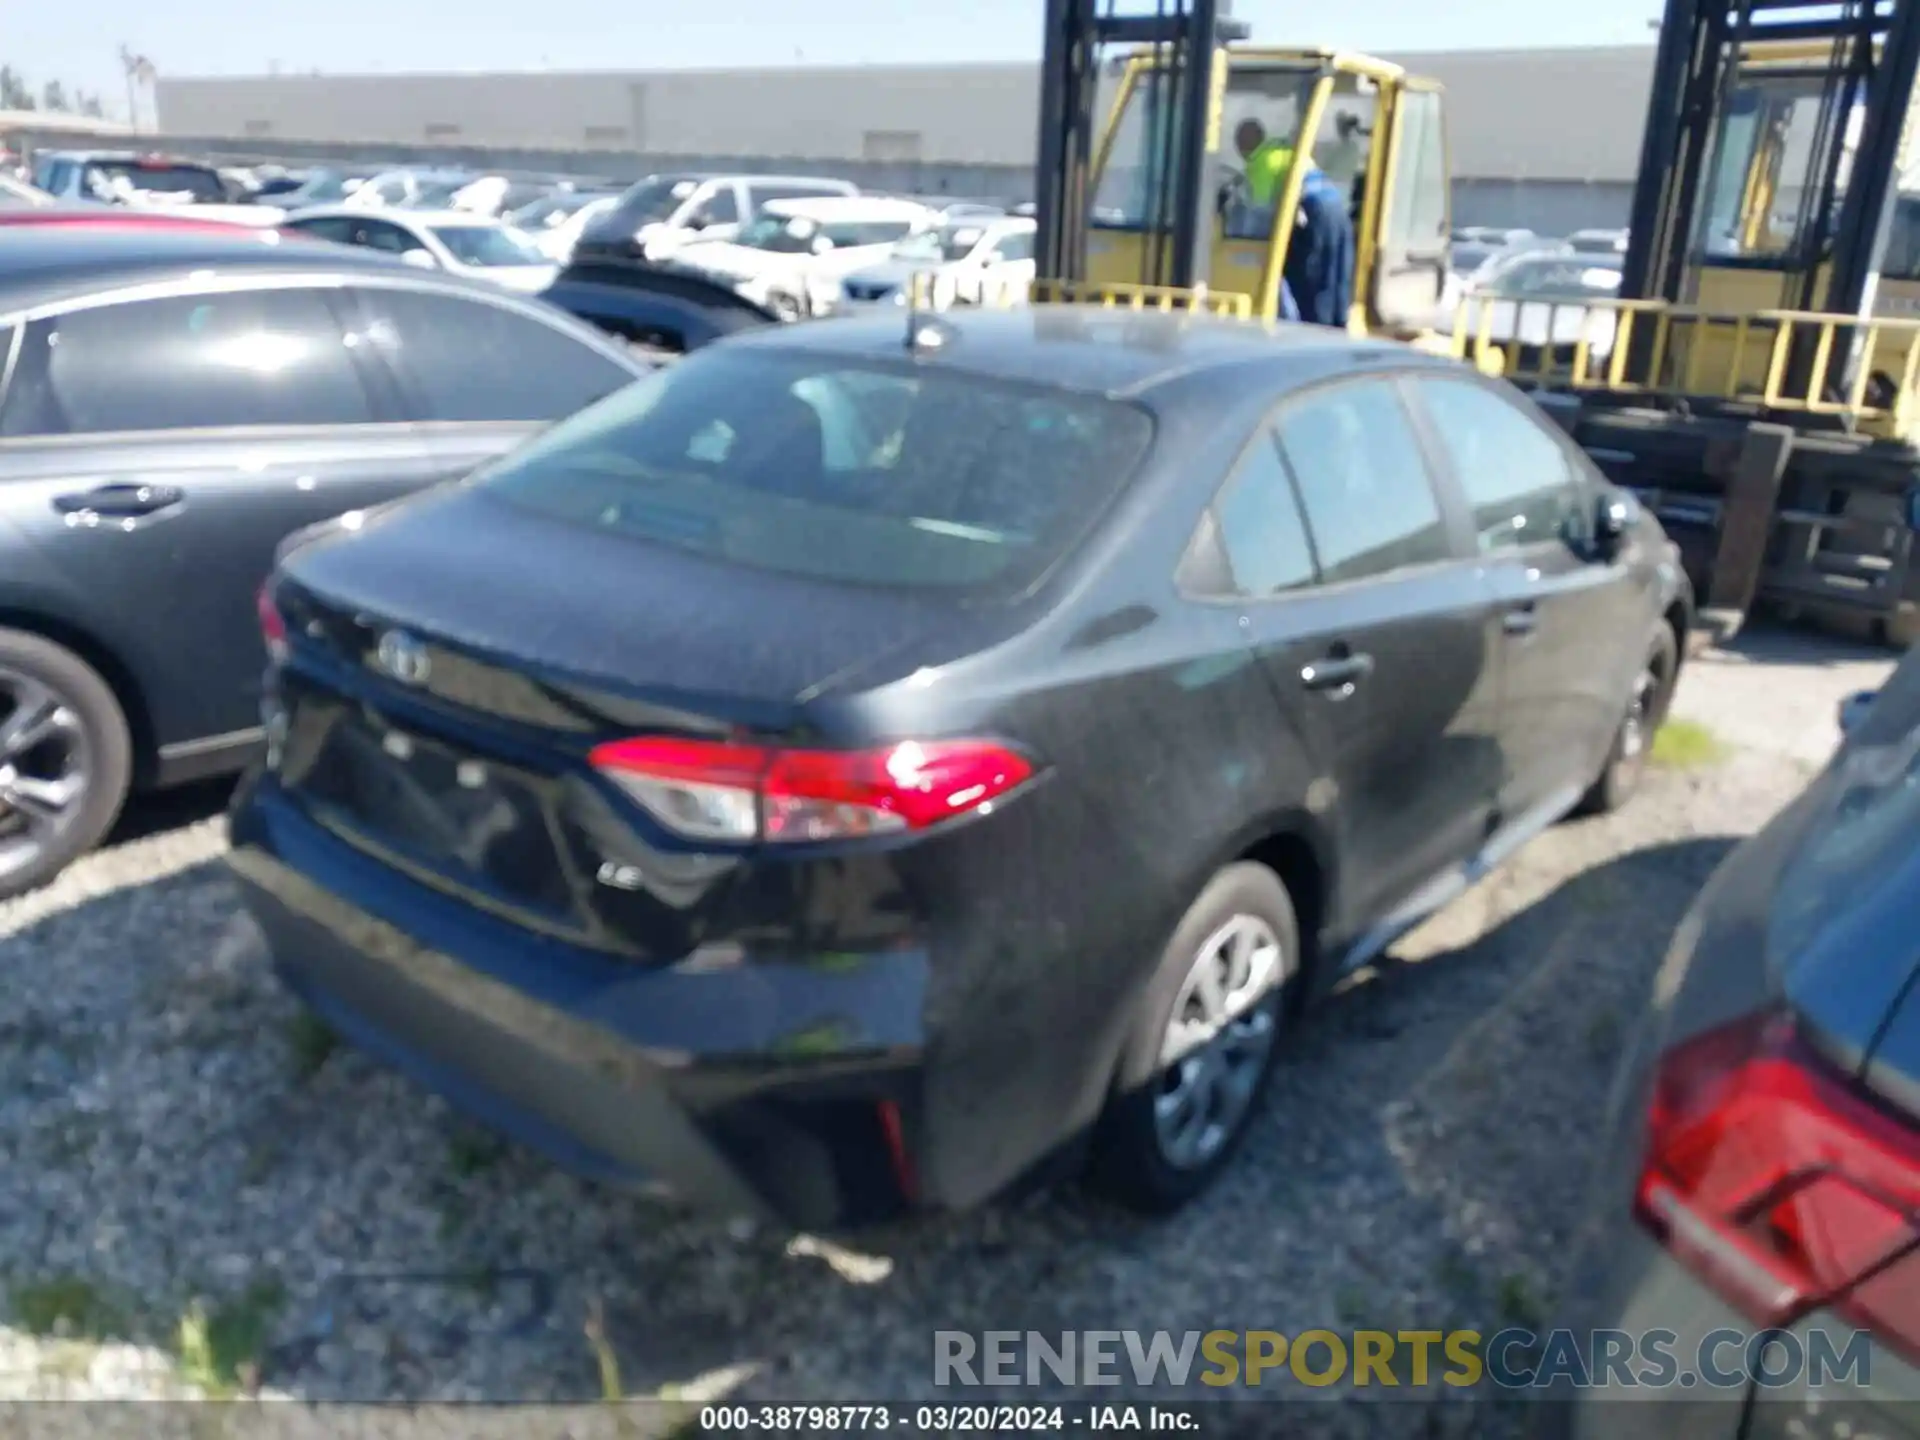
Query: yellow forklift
(1147,118)
(1755,380)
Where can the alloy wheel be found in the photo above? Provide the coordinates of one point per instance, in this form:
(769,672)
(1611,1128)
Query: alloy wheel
(1635,734)
(44,768)
(1218,1040)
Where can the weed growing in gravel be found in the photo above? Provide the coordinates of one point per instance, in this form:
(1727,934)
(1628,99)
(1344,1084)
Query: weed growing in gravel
(1687,745)
(67,1306)
(312,1042)
(220,1348)
(471,1152)
(595,1330)
(1517,1305)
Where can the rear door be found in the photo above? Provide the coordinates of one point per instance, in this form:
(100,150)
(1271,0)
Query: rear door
(1372,622)
(1414,235)
(476,375)
(1573,626)
(157,451)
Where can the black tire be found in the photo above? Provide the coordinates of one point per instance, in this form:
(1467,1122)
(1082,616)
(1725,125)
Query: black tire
(1131,1162)
(1901,629)
(97,732)
(1646,709)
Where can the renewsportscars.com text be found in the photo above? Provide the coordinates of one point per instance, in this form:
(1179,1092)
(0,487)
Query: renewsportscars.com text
(1511,1359)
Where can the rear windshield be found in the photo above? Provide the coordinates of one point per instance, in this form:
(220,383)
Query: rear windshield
(193,183)
(837,469)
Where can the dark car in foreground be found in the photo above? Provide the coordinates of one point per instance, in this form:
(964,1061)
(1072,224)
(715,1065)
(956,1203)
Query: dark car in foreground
(840,773)
(173,403)
(1758,1188)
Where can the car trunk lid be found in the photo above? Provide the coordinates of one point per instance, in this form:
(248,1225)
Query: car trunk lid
(451,672)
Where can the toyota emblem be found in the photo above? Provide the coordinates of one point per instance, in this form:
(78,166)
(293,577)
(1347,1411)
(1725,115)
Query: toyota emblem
(403,657)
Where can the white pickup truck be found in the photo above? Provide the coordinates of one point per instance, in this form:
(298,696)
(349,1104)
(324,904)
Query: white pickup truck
(146,182)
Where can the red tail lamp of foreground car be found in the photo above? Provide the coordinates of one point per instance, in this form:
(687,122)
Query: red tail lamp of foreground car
(711,790)
(1775,1179)
(273,625)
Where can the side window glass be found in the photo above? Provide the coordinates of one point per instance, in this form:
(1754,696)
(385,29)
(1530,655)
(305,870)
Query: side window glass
(1017,246)
(378,235)
(1260,525)
(1518,478)
(250,357)
(464,359)
(336,229)
(1370,504)
(1417,208)
(720,207)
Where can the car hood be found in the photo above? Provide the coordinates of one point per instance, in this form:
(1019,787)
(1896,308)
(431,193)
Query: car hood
(527,279)
(728,261)
(894,273)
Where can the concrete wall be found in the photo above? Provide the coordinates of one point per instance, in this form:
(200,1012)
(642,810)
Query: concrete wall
(1561,115)
(952,114)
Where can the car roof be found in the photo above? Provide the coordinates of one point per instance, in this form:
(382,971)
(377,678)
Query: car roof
(1089,348)
(40,265)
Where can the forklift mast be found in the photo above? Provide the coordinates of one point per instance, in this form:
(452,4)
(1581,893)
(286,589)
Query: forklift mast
(1185,37)
(1857,61)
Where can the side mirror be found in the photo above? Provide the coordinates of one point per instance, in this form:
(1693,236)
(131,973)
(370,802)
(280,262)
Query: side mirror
(1854,710)
(1615,516)
(419,259)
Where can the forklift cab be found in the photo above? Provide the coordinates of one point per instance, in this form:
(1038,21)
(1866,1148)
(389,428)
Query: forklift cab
(1376,132)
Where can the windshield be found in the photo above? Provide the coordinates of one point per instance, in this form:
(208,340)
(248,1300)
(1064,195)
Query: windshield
(654,200)
(436,194)
(1260,117)
(487,245)
(949,242)
(321,189)
(1563,277)
(837,469)
(550,210)
(192,183)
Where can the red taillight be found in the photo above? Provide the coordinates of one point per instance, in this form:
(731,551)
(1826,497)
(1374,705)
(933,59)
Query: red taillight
(273,625)
(712,790)
(1772,1177)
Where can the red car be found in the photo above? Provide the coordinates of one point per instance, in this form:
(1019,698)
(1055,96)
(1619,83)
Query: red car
(137,219)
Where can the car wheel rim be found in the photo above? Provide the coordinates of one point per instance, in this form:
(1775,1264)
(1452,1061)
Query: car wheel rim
(43,768)
(1633,735)
(1217,1041)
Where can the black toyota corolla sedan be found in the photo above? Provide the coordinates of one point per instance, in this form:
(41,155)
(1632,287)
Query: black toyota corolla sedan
(870,764)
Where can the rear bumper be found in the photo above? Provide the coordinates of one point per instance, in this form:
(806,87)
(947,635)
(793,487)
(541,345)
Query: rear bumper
(777,1087)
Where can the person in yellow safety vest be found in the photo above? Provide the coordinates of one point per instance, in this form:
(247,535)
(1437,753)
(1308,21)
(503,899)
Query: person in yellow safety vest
(1266,161)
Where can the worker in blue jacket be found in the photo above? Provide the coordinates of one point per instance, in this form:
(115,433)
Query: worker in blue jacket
(1319,271)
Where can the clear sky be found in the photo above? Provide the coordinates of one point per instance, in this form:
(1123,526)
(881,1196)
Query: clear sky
(77,41)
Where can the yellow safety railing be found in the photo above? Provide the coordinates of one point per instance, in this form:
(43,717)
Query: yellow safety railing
(1695,354)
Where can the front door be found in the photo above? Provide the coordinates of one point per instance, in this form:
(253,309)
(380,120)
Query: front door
(1571,623)
(1410,256)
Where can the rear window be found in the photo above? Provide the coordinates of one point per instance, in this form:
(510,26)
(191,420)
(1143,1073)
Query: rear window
(849,471)
(192,183)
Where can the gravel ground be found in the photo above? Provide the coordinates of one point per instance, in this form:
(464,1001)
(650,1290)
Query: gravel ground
(195,1195)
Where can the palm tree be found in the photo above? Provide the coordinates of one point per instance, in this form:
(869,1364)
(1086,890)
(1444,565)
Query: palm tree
(140,75)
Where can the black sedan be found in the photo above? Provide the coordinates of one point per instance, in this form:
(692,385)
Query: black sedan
(174,403)
(862,766)
(1758,1193)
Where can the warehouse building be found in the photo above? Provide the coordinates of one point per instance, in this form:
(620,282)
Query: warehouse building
(1547,138)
